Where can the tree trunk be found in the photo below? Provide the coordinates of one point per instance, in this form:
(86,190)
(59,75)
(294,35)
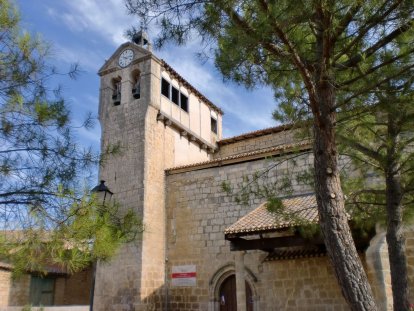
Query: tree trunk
(395,235)
(333,219)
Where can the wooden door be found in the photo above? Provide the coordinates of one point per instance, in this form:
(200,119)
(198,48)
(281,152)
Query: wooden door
(228,300)
(41,291)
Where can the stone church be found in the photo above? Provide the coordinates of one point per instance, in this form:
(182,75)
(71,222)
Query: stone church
(201,250)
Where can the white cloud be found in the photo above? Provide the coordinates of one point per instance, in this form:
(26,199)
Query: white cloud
(88,59)
(108,18)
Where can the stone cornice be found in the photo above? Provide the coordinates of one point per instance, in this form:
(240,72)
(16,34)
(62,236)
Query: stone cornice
(186,132)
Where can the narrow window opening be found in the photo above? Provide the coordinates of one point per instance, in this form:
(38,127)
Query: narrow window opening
(184,102)
(136,88)
(165,88)
(174,96)
(214,125)
(116,94)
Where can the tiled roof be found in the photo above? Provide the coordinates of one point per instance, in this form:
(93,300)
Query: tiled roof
(5,265)
(304,145)
(297,209)
(53,269)
(266,131)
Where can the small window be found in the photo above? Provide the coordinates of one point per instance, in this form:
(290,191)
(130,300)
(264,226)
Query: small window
(165,88)
(213,125)
(174,96)
(184,102)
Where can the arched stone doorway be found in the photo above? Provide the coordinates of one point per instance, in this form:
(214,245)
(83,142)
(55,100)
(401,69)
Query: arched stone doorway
(227,294)
(217,282)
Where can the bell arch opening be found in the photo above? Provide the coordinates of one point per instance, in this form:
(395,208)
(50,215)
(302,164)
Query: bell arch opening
(136,84)
(116,84)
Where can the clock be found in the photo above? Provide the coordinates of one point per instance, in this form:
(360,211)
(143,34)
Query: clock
(126,58)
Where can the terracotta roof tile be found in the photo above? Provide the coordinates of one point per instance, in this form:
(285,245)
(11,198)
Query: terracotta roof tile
(266,131)
(277,149)
(53,269)
(300,208)
(5,265)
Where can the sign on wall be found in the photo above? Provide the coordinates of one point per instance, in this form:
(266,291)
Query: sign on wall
(184,275)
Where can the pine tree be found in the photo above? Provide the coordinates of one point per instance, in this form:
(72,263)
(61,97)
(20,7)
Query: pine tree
(42,167)
(380,142)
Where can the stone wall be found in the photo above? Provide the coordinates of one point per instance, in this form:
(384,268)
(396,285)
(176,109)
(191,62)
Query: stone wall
(378,271)
(299,284)
(198,211)
(4,287)
(410,260)
(258,143)
(13,292)
(73,289)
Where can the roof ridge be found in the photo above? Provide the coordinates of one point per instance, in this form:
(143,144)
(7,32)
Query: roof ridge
(256,133)
(242,155)
(261,219)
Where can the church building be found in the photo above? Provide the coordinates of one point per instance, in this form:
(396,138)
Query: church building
(202,249)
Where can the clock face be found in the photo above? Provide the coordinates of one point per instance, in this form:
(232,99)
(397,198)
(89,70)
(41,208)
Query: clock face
(126,58)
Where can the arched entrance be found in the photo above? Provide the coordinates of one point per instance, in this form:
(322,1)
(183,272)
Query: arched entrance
(227,294)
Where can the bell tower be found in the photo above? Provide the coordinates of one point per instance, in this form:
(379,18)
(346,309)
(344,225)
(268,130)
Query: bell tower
(159,121)
(128,108)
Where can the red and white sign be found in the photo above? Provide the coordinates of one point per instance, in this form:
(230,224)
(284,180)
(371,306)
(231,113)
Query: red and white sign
(184,275)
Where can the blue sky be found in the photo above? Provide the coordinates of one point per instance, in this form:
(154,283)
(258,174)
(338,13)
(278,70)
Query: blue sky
(89,31)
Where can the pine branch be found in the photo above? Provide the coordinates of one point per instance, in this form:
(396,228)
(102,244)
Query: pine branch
(374,69)
(345,21)
(370,23)
(298,61)
(355,60)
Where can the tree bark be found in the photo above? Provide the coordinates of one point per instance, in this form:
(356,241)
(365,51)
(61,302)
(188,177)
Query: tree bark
(395,235)
(333,218)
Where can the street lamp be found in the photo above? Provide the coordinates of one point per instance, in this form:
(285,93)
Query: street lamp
(103,193)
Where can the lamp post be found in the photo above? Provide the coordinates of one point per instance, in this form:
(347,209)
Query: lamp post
(103,194)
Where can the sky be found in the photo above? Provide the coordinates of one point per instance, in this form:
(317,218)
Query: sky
(87,32)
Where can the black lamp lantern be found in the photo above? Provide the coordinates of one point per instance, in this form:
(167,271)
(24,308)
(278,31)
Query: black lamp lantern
(103,192)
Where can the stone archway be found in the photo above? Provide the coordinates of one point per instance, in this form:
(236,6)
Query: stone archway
(225,273)
(227,295)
